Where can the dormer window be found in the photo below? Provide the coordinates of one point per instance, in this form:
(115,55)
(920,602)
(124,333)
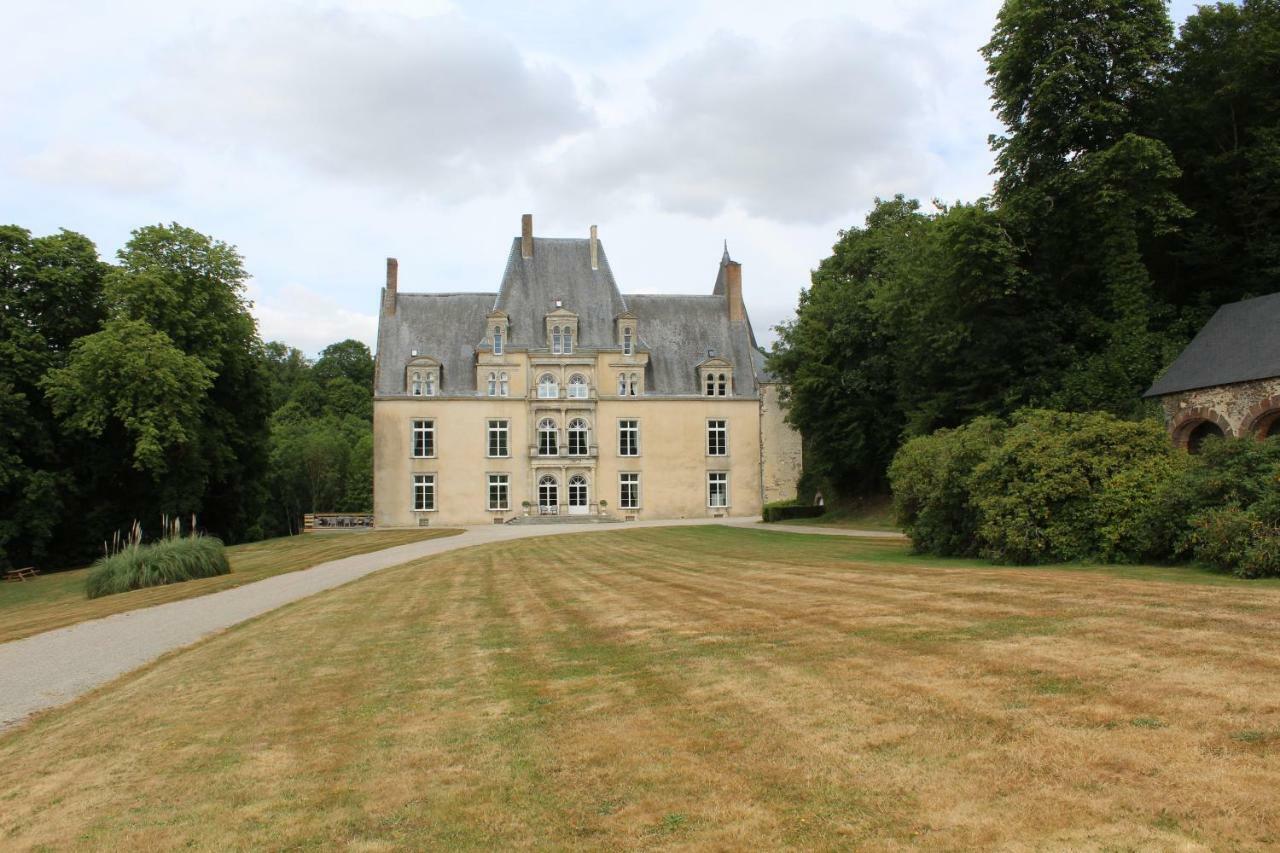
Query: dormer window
(555,341)
(422,376)
(498,324)
(497,340)
(625,329)
(628,343)
(568,340)
(562,328)
(717,378)
(493,384)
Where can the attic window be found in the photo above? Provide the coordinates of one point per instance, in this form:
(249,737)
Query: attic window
(628,346)
(422,376)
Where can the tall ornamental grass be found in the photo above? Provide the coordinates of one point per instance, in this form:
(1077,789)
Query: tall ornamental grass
(129,564)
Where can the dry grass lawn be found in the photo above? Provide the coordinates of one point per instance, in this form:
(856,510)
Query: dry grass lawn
(57,599)
(691,688)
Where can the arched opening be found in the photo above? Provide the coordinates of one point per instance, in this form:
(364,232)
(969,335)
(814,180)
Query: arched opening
(547,435)
(493,384)
(1200,432)
(577,437)
(1266,425)
(578,386)
(555,340)
(504,385)
(548,389)
(632,385)
(578,495)
(548,495)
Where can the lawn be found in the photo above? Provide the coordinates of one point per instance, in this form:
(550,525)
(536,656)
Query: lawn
(874,513)
(57,599)
(686,687)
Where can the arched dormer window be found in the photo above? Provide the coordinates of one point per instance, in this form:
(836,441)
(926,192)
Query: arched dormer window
(493,384)
(415,384)
(422,376)
(722,385)
(711,385)
(429,384)
(557,346)
(548,438)
(717,377)
(504,387)
(578,386)
(497,340)
(578,437)
(568,340)
(548,388)
(633,385)
(622,384)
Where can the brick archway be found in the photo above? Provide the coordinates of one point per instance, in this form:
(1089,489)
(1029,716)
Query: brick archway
(1263,419)
(1189,420)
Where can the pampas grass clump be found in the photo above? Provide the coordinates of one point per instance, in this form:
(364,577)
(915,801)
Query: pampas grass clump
(128,564)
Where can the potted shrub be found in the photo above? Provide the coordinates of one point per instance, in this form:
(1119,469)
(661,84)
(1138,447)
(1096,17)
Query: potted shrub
(526,506)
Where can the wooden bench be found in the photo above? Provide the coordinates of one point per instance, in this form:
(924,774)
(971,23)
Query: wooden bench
(21,574)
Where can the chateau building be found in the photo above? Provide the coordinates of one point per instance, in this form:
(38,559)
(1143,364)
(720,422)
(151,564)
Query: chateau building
(1227,381)
(558,395)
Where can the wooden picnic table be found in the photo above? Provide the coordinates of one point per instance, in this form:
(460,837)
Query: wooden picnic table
(21,574)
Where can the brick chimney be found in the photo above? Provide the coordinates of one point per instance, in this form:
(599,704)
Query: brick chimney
(526,236)
(595,257)
(393,281)
(733,290)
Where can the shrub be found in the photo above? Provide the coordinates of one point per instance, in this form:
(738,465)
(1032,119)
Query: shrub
(784,512)
(932,480)
(1262,557)
(170,560)
(1040,493)
(1221,537)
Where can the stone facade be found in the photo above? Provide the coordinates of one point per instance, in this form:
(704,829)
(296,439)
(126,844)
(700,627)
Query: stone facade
(780,446)
(1238,409)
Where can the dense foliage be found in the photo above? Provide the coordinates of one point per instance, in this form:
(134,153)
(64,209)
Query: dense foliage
(1056,486)
(1138,188)
(169,560)
(140,389)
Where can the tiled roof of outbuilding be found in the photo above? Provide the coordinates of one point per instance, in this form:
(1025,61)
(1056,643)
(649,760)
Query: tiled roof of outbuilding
(1240,342)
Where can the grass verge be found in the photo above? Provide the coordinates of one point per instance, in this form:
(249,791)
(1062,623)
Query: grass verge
(685,687)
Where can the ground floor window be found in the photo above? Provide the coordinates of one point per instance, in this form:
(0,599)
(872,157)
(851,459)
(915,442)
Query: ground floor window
(500,491)
(629,491)
(717,489)
(424,492)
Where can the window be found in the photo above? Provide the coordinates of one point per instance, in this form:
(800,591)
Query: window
(711,385)
(722,386)
(556,346)
(497,340)
(627,346)
(577,437)
(504,387)
(717,438)
(629,438)
(632,385)
(717,489)
(622,384)
(629,491)
(568,340)
(499,491)
(548,389)
(716,384)
(548,495)
(424,439)
(577,492)
(498,434)
(415,386)
(578,386)
(424,492)
(547,438)
(493,384)
(429,384)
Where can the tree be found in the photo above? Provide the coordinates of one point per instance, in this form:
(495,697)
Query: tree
(349,359)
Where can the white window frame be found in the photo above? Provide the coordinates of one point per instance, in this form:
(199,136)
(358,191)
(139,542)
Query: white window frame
(567,340)
(497,340)
(504,385)
(556,346)
(633,385)
(501,482)
(634,429)
(720,478)
(493,384)
(578,390)
(424,492)
(720,427)
(625,479)
(500,427)
(584,431)
(427,427)
(415,384)
(628,342)
(551,447)
(553,387)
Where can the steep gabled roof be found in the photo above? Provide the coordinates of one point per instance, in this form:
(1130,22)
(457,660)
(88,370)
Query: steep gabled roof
(1240,342)
(445,326)
(560,269)
(680,329)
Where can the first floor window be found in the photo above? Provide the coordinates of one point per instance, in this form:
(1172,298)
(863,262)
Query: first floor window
(717,438)
(498,435)
(578,437)
(578,386)
(629,491)
(424,439)
(547,435)
(500,491)
(717,489)
(548,388)
(424,492)
(629,438)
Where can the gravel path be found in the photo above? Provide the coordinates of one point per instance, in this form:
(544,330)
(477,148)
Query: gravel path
(55,667)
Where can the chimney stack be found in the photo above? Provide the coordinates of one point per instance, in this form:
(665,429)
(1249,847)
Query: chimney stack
(733,290)
(526,236)
(595,257)
(393,281)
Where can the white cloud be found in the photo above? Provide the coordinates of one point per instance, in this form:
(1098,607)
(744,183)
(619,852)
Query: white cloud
(419,105)
(114,168)
(308,320)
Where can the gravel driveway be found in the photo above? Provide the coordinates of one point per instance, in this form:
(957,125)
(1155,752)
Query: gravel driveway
(55,667)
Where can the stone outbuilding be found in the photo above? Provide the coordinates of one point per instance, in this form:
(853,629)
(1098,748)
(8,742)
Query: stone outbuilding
(1227,381)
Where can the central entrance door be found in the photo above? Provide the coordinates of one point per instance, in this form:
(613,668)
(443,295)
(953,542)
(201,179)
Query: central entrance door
(548,496)
(578,495)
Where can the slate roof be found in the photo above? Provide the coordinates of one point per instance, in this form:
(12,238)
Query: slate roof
(1240,342)
(676,331)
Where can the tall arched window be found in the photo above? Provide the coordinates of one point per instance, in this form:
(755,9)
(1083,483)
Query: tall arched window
(556,345)
(497,340)
(548,444)
(632,385)
(578,386)
(547,387)
(548,495)
(415,387)
(493,384)
(504,387)
(577,494)
(578,437)
(722,386)
(568,340)
(622,384)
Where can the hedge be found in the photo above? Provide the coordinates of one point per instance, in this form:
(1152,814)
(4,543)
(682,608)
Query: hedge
(786,513)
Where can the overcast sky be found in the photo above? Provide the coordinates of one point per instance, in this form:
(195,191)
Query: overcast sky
(322,137)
